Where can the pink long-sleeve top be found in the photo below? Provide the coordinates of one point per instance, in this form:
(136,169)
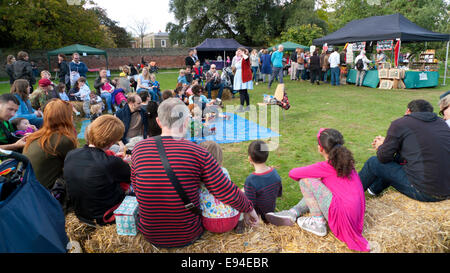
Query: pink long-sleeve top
(346,212)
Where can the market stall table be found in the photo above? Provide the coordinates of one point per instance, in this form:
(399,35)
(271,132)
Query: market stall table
(421,79)
(370,79)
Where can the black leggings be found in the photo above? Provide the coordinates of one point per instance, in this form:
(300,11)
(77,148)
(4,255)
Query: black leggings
(243,95)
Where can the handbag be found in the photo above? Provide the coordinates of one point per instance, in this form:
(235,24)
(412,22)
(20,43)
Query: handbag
(172,177)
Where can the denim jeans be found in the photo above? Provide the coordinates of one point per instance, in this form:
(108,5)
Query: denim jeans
(325,76)
(210,86)
(276,71)
(108,98)
(378,176)
(255,73)
(154,94)
(335,76)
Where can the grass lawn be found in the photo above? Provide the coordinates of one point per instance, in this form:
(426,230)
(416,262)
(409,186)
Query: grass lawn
(359,113)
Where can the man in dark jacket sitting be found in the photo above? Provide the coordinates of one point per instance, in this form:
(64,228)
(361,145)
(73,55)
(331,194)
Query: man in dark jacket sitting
(134,118)
(413,158)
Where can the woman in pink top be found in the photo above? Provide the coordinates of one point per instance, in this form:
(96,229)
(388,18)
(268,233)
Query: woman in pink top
(332,192)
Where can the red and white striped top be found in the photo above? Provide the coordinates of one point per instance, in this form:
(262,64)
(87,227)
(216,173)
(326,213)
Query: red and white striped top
(163,219)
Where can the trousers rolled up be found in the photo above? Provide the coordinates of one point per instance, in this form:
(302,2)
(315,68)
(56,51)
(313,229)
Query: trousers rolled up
(360,77)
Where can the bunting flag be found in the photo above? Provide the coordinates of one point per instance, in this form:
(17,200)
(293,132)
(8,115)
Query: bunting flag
(397,52)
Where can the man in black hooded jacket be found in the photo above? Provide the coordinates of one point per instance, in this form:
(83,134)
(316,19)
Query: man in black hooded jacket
(414,157)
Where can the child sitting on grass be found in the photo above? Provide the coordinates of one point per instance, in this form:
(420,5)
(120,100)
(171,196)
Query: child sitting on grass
(61,89)
(216,216)
(155,89)
(81,92)
(182,77)
(332,192)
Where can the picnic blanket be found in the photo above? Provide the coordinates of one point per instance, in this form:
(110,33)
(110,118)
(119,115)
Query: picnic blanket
(232,130)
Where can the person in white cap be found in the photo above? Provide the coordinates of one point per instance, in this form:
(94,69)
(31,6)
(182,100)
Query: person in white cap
(361,67)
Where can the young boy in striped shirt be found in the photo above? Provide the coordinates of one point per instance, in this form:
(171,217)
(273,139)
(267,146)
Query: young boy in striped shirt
(263,186)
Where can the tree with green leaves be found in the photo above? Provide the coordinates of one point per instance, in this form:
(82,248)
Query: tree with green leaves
(36,24)
(303,34)
(249,22)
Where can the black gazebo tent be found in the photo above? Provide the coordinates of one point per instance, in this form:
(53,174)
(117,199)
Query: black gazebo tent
(388,27)
(211,48)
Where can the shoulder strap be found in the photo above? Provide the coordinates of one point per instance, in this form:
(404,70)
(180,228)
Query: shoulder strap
(162,154)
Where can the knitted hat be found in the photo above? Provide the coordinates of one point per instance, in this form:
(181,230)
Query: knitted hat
(44,82)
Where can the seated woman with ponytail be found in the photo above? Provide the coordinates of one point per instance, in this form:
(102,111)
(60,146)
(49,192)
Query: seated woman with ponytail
(332,192)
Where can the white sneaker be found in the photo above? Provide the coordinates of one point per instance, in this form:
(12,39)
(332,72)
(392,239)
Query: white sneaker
(313,225)
(282,218)
(370,192)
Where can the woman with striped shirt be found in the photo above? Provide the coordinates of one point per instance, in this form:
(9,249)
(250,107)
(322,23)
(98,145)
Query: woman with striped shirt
(164,220)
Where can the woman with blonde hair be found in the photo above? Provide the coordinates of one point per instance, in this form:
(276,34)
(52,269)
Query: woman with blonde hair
(47,148)
(143,82)
(96,179)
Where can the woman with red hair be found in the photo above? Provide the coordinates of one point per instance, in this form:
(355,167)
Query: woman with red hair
(47,148)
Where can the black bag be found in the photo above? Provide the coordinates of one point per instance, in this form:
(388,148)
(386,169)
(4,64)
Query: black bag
(59,191)
(360,65)
(176,184)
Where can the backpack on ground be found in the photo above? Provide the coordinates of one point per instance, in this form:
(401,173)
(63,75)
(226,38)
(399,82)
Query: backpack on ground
(360,65)
(284,103)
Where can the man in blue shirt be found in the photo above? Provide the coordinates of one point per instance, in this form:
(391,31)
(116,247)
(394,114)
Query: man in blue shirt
(77,66)
(277,63)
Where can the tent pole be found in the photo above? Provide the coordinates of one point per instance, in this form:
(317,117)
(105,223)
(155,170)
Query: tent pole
(446,60)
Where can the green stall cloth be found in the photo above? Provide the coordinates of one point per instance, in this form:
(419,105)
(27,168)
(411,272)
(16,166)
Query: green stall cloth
(370,79)
(421,79)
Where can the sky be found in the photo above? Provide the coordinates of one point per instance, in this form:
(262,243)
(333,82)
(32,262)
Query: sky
(126,12)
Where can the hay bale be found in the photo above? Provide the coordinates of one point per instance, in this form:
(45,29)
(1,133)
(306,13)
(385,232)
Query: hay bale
(394,223)
(226,94)
(400,224)
(76,230)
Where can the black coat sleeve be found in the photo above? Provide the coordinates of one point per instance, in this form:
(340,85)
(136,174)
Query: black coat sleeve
(391,145)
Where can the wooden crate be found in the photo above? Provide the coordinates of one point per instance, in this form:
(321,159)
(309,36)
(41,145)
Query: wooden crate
(386,84)
(394,73)
(383,73)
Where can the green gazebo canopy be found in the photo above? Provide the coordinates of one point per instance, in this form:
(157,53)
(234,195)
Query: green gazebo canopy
(81,49)
(290,46)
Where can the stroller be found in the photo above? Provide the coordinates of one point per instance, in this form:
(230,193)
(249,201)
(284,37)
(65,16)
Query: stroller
(227,78)
(153,67)
(31,219)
